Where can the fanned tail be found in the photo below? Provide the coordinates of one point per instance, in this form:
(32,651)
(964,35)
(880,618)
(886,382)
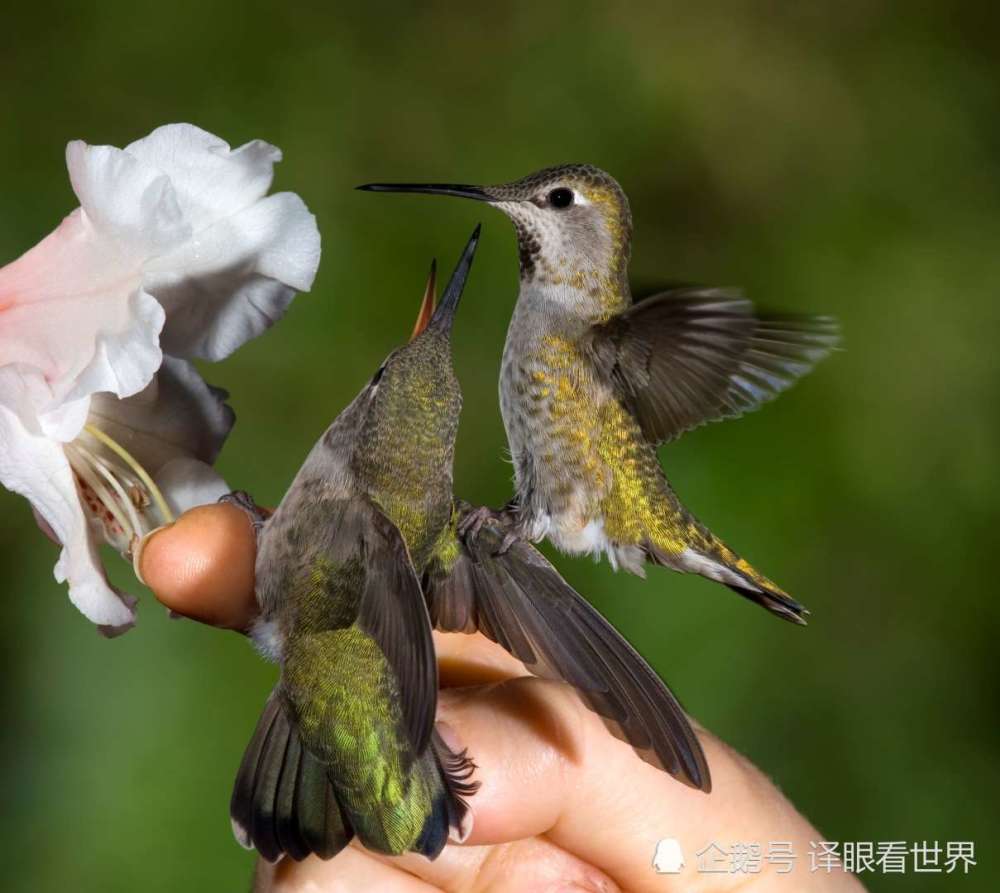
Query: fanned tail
(283,802)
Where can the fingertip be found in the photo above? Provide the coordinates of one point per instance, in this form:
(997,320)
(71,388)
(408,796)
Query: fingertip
(202,565)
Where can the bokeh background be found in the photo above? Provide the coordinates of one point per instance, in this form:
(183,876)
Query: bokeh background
(834,157)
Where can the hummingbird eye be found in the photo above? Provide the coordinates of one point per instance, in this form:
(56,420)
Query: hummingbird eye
(561,197)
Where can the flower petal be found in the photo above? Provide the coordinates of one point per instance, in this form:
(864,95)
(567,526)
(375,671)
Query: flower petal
(133,205)
(176,416)
(186,483)
(125,357)
(210,179)
(74,321)
(236,278)
(36,467)
(66,421)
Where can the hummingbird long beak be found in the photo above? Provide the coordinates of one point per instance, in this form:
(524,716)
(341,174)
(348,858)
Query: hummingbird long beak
(475,192)
(428,302)
(444,314)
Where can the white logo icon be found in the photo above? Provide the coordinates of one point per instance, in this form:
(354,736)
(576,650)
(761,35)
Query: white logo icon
(668,858)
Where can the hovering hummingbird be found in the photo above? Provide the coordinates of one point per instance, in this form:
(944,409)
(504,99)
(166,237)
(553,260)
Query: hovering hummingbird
(592,382)
(363,550)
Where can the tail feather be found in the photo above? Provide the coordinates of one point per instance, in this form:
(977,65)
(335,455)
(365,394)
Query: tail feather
(718,562)
(286,819)
(263,821)
(777,602)
(321,824)
(282,800)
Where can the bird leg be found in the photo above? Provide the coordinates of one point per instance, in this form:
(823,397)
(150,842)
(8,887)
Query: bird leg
(506,519)
(244,501)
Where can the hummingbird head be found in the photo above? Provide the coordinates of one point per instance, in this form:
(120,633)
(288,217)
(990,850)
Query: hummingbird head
(573,221)
(410,408)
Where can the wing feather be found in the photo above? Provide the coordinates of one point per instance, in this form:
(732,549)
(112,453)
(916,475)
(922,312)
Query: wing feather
(694,355)
(520,601)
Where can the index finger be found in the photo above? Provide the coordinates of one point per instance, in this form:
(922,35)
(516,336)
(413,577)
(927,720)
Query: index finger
(202,566)
(549,766)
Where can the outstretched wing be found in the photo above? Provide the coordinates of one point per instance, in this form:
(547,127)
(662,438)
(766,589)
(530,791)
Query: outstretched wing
(520,601)
(694,355)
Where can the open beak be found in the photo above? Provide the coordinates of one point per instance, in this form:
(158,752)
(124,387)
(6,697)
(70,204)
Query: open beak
(475,192)
(444,313)
(428,303)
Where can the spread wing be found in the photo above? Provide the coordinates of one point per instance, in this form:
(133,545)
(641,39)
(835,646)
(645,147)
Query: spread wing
(520,601)
(694,355)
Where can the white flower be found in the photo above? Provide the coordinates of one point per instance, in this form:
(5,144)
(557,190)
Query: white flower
(176,252)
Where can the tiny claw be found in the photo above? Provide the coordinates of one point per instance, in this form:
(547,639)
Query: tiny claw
(505,520)
(474,521)
(510,537)
(244,501)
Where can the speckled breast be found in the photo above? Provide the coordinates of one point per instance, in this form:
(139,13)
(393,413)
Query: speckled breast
(551,407)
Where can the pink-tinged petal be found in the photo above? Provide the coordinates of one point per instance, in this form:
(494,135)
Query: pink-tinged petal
(176,416)
(37,468)
(74,320)
(186,483)
(210,179)
(175,229)
(126,357)
(236,278)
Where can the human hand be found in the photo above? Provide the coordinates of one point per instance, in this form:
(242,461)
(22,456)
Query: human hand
(563,805)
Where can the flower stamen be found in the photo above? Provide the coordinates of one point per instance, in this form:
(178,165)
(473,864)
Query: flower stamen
(84,472)
(140,472)
(136,528)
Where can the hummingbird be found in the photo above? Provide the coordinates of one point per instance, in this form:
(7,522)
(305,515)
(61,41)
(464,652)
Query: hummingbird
(361,558)
(346,744)
(592,382)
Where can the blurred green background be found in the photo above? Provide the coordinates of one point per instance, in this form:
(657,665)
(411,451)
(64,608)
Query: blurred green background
(833,157)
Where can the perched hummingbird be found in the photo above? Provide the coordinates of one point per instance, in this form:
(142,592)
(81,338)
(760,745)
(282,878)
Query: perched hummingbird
(361,553)
(592,382)
(346,743)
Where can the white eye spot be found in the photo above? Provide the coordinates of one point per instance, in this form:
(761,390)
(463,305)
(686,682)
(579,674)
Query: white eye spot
(580,199)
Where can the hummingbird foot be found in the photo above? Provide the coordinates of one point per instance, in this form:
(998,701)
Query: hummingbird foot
(244,501)
(503,520)
(510,537)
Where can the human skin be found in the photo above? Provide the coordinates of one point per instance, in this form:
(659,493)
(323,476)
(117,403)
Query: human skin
(563,805)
